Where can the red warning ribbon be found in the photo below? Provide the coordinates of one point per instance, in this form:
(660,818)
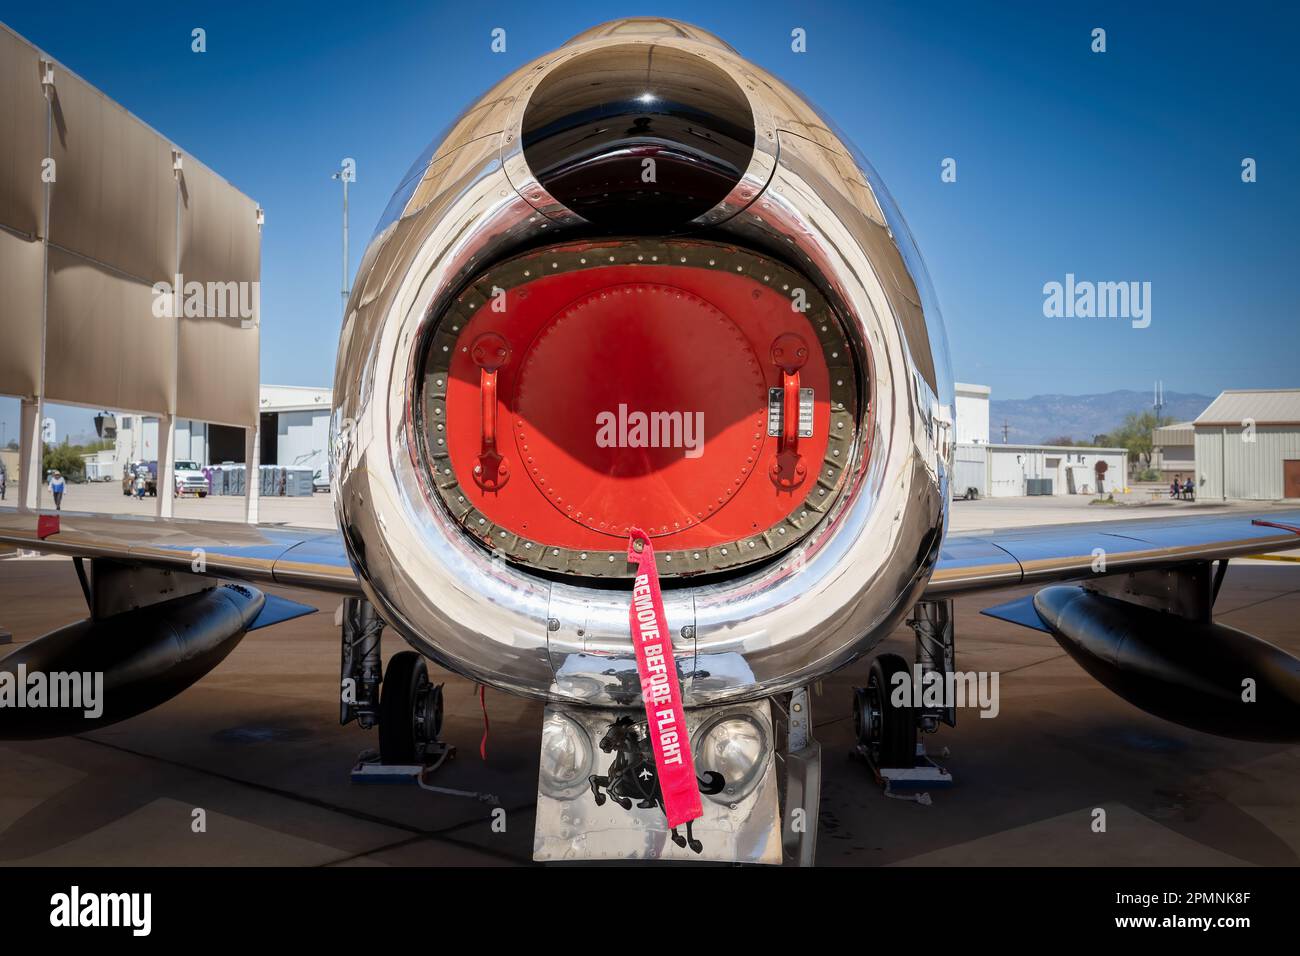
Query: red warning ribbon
(660,690)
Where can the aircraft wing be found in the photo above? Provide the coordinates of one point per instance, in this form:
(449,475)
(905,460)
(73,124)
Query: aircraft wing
(970,561)
(988,560)
(314,559)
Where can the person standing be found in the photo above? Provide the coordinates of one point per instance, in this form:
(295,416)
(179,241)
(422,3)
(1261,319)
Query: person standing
(139,484)
(56,489)
(4,480)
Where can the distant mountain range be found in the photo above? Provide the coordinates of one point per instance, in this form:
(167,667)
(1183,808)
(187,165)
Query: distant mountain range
(1081,417)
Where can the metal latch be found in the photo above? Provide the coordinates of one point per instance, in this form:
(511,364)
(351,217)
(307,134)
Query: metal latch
(789,354)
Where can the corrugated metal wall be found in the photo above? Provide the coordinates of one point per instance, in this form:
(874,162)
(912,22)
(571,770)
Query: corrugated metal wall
(303,440)
(970,469)
(1251,469)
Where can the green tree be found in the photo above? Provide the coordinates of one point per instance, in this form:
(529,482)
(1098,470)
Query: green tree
(67,459)
(1135,435)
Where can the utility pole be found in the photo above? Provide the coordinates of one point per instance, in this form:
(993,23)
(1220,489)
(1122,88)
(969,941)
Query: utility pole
(1159,400)
(347,173)
(1004,431)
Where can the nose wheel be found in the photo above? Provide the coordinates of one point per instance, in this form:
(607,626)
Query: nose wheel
(410,712)
(887,733)
(885,721)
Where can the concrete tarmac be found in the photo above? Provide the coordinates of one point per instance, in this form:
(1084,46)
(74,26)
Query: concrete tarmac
(257,747)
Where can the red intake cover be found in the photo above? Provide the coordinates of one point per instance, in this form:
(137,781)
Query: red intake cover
(586,396)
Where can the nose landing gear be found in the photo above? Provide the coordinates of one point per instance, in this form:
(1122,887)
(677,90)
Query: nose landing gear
(888,712)
(405,705)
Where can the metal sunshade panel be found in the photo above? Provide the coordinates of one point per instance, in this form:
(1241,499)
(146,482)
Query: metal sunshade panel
(218,357)
(20,314)
(23,119)
(114,200)
(22,198)
(127,210)
(103,345)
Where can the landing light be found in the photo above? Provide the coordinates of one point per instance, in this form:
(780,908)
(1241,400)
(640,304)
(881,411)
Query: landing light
(734,745)
(566,758)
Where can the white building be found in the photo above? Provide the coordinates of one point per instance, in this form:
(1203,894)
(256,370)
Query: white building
(972,414)
(295,424)
(1248,445)
(296,427)
(1005,471)
(1008,471)
(102,465)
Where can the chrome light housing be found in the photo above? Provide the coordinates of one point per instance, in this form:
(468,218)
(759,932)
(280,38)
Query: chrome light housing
(735,745)
(566,757)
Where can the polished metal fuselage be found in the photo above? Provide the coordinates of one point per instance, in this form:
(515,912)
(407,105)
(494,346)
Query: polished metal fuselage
(804,198)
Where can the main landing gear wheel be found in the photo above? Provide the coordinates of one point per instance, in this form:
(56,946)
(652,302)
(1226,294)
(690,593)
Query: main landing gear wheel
(887,732)
(410,711)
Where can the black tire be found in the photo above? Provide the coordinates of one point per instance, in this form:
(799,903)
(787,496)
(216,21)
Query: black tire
(861,717)
(406,676)
(894,740)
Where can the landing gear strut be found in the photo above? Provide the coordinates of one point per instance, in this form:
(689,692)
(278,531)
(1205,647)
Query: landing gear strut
(402,701)
(362,670)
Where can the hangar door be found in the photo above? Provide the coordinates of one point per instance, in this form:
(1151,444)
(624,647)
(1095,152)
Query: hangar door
(1291,478)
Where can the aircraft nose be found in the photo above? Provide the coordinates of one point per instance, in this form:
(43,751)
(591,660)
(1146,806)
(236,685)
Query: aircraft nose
(643,27)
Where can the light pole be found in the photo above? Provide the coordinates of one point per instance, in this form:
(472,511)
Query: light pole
(347,173)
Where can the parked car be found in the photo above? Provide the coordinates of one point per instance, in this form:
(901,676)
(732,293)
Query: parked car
(190,480)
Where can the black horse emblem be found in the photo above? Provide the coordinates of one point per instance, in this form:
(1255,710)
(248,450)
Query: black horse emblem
(633,776)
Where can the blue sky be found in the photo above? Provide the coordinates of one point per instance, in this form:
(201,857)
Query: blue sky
(1117,166)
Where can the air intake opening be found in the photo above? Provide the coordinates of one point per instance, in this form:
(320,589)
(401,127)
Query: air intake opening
(700,392)
(638,138)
